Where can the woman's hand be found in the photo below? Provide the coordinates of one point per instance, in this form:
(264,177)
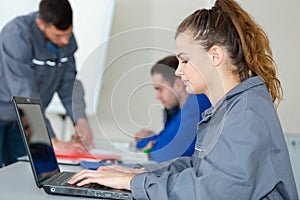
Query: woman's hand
(112,176)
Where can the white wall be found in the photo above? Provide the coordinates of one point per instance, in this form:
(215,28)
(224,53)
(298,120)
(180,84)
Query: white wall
(12,8)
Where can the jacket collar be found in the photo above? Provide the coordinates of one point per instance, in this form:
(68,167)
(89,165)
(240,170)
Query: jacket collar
(243,86)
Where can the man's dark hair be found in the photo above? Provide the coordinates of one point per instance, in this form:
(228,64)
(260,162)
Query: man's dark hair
(166,67)
(56,12)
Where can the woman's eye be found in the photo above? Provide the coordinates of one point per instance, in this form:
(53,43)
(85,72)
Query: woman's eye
(184,61)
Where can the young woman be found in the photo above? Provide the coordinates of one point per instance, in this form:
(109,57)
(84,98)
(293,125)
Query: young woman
(240,151)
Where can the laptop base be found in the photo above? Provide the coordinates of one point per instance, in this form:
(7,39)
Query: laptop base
(77,191)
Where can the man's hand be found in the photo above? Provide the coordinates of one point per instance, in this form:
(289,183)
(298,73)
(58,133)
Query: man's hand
(68,147)
(143,134)
(147,148)
(83,133)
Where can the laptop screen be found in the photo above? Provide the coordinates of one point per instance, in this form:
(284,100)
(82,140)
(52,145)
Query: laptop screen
(36,138)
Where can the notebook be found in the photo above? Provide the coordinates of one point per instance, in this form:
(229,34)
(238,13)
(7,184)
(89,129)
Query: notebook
(42,157)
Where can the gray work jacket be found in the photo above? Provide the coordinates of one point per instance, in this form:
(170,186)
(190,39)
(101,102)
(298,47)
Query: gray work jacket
(240,153)
(28,68)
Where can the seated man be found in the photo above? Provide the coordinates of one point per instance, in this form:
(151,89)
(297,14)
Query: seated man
(182,113)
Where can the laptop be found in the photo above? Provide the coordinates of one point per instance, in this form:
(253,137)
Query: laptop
(42,157)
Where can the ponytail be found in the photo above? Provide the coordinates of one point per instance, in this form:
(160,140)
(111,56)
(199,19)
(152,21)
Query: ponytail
(256,47)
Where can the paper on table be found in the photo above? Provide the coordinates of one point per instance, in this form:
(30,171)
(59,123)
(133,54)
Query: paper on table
(126,156)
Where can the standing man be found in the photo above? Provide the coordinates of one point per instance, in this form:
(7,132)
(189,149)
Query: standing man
(182,113)
(37,60)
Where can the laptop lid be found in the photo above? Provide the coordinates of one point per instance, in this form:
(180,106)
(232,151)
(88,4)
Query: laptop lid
(36,138)
(42,157)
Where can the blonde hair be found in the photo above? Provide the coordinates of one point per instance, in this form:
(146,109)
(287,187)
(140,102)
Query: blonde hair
(228,25)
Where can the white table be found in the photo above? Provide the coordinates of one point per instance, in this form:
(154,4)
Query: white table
(17,182)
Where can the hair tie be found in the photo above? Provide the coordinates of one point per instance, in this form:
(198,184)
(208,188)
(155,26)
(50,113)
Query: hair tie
(215,8)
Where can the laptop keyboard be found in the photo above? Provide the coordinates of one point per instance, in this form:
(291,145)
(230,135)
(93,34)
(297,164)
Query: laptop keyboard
(62,178)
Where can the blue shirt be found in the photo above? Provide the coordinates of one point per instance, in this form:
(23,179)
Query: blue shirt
(178,136)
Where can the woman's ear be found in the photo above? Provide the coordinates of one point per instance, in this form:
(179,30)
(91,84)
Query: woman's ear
(216,54)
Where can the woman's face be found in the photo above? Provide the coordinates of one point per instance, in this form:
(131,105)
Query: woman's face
(195,65)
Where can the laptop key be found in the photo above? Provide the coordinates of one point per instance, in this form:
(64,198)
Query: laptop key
(62,179)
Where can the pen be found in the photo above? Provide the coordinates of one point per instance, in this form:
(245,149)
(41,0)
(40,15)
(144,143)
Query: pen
(147,150)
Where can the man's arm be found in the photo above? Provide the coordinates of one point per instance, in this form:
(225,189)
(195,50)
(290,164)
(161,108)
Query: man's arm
(71,93)
(16,62)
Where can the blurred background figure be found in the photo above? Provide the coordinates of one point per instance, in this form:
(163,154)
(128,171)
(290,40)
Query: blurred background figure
(181,114)
(37,60)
